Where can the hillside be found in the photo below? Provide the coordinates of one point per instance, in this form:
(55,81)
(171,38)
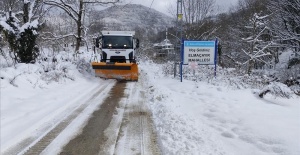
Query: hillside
(132,17)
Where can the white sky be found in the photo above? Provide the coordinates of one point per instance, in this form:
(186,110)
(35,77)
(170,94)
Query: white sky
(163,5)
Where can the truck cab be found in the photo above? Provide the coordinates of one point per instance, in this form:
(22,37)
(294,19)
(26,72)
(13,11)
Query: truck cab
(117,51)
(117,46)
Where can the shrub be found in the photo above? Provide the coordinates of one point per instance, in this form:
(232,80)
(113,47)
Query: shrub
(277,89)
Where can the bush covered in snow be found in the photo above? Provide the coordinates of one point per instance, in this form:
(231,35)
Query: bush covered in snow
(50,66)
(277,89)
(59,65)
(267,81)
(224,76)
(5,59)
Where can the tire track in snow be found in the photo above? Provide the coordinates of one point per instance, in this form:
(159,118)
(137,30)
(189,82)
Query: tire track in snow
(136,133)
(35,145)
(92,138)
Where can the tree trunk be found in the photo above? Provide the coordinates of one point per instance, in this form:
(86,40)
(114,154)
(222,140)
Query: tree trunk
(79,27)
(26,12)
(220,55)
(250,66)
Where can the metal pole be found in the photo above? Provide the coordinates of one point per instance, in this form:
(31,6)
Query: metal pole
(176,43)
(216,54)
(180,25)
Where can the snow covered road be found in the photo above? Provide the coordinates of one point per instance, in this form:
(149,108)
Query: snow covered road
(79,117)
(137,133)
(122,125)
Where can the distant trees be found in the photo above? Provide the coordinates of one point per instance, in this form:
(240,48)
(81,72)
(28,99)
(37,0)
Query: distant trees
(251,34)
(197,10)
(287,22)
(246,36)
(197,22)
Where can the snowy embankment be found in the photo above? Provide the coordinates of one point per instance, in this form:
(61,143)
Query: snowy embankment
(190,117)
(200,118)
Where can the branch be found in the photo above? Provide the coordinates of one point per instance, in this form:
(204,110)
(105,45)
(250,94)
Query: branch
(70,7)
(63,7)
(54,37)
(234,61)
(258,58)
(97,1)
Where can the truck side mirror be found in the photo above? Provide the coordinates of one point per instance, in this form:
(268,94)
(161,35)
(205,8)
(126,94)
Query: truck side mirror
(137,43)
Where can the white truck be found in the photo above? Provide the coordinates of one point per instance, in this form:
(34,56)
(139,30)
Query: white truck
(117,55)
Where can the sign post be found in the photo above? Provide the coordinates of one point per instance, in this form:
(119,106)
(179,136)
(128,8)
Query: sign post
(181,62)
(216,53)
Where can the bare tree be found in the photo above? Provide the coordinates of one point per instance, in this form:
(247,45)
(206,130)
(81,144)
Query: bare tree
(75,9)
(6,5)
(287,22)
(197,10)
(257,41)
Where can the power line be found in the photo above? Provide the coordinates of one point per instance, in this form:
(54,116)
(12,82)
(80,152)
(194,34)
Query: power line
(151,3)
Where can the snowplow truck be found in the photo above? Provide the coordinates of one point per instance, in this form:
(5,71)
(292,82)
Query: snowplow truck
(117,55)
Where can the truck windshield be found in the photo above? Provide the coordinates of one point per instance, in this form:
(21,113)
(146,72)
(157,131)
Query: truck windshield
(117,42)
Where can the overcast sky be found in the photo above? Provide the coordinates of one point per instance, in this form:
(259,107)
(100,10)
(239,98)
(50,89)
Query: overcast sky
(163,5)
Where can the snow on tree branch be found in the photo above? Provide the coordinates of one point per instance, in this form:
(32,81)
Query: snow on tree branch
(67,8)
(104,2)
(55,37)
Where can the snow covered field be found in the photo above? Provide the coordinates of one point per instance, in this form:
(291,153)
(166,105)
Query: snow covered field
(190,117)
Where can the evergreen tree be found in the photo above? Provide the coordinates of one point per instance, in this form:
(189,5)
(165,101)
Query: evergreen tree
(27,50)
(21,32)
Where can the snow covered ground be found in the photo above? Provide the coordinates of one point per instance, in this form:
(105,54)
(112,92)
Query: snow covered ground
(200,118)
(190,117)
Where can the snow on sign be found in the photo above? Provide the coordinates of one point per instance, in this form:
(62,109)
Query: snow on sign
(202,52)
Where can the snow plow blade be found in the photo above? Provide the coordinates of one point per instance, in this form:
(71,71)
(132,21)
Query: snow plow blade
(120,71)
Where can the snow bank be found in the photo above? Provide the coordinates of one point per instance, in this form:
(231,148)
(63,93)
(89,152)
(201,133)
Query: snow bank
(200,118)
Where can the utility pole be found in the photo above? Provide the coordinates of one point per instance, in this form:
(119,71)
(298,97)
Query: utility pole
(179,23)
(179,17)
